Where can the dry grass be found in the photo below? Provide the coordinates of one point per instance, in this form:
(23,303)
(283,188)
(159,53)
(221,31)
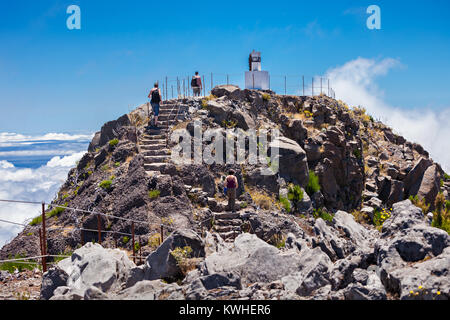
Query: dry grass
(261,198)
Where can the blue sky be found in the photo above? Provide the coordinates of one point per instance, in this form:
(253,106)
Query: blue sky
(59,86)
(57,80)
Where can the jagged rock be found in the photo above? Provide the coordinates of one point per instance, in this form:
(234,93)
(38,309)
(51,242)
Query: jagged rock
(110,130)
(161,263)
(430,185)
(290,152)
(407,238)
(199,287)
(312,149)
(297,132)
(368,286)
(224,90)
(51,280)
(253,260)
(92,265)
(244,121)
(151,290)
(414,178)
(329,241)
(313,273)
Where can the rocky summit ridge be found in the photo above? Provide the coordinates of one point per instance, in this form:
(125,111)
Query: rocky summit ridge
(345,216)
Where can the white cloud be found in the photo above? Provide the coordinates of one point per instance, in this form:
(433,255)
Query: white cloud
(355,83)
(34,184)
(68,161)
(8,137)
(5,164)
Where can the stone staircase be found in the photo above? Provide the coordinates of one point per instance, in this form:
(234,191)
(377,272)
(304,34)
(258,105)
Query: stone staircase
(227,225)
(153,143)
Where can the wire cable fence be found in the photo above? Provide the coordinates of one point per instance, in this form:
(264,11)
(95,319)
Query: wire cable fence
(178,87)
(136,239)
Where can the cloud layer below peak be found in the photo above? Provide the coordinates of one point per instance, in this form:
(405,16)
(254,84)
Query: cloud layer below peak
(356,83)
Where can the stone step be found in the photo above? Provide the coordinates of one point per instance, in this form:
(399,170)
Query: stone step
(151,147)
(157,152)
(152,142)
(156,159)
(155,166)
(226,215)
(153,137)
(229,235)
(225,229)
(228,222)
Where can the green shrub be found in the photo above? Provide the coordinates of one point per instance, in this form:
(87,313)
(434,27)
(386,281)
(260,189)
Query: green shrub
(357,153)
(181,253)
(420,203)
(446,177)
(266,97)
(320,213)
(286,204)
(55,212)
(117,164)
(295,193)
(243,205)
(113,142)
(19,265)
(105,184)
(125,239)
(379,217)
(153,194)
(313,183)
(441,216)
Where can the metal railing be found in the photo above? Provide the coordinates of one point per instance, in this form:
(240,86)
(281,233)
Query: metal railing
(299,85)
(43,230)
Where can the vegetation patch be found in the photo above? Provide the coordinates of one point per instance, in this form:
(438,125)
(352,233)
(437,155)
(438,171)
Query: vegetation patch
(153,194)
(420,203)
(286,204)
(321,213)
(441,216)
(113,142)
(313,183)
(105,184)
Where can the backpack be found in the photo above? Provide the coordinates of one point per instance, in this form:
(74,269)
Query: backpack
(156,98)
(194,82)
(231,182)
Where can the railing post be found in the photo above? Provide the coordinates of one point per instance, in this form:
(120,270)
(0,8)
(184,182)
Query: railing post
(204,87)
(44,241)
(285,92)
(132,242)
(328,87)
(99,229)
(211,81)
(228,80)
(82,237)
(140,251)
(167,91)
(321,85)
(303,81)
(312,87)
(162,233)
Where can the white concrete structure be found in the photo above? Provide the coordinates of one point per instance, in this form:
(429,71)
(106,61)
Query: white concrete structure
(255,78)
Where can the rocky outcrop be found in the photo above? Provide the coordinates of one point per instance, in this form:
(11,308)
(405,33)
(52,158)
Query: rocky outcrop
(411,253)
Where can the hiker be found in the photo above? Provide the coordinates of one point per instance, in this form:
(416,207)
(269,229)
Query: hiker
(231,183)
(155,99)
(196,84)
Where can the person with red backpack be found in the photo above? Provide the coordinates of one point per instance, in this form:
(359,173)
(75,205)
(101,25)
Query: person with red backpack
(155,100)
(231,183)
(196,84)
